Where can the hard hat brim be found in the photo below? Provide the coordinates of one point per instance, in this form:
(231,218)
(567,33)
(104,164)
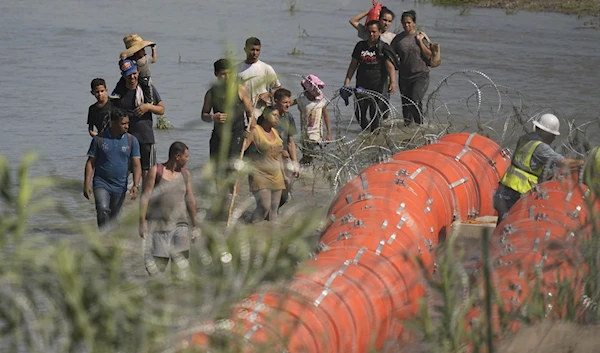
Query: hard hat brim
(542,127)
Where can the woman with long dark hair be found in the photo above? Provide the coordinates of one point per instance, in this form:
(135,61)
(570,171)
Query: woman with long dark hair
(414,54)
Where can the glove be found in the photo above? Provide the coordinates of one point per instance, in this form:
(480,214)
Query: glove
(345,93)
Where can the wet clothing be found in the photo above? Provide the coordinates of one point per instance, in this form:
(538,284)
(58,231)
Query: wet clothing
(266,161)
(311,118)
(99,117)
(108,205)
(169,243)
(140,127)
(147,155)
(504,199)
(237,114)
(286,128)
(412,94)
(371,74)
(413,76)
(259,78)
(410,56)
(167,208)
(112,160)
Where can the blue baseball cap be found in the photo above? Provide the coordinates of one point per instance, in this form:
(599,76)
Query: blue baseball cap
(127,67)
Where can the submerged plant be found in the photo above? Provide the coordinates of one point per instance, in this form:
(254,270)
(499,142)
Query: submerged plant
(162,123)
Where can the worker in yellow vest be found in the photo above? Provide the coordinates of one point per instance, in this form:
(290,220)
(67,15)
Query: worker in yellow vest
(531,163)
(591,171)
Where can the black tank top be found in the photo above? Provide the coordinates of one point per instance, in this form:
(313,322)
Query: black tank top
(237,111)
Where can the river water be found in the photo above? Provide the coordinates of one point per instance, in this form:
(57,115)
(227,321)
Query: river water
(51,50)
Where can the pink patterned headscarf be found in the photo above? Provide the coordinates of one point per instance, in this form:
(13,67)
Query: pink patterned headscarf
(314,85)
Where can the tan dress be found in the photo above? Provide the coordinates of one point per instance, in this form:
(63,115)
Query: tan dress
(266,162)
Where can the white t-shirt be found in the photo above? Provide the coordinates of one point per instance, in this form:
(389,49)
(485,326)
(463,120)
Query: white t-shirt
(311,118)
(258,78)
(385,37)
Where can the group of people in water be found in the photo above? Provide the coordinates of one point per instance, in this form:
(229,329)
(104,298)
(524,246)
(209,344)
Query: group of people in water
(250,112)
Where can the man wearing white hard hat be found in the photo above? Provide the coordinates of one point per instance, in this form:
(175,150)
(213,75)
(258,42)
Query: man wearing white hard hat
(532,160)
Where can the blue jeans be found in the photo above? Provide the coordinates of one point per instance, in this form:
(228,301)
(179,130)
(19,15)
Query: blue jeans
(108,205)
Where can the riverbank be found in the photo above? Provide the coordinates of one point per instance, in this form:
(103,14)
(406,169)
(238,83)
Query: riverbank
(572,7)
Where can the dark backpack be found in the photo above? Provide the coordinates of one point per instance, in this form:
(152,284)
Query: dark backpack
(100,141)
(160,167)
(383,55)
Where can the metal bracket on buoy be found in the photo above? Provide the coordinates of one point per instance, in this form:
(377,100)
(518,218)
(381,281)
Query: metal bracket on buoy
(462,153)
(458,182)
(402,172)
(364,196)
(536,244)
(429,244)
(547,235)
(508,229)
(380,247)
(470,138)
(359,254)
(400,182)
(532,212)
(348,199)
(358,223)
(251,332)
(575,213)
(365,184)
(569,195)
(347,218)
(401,222)
(472,214)
(344,235)
(416,172)
(401,208)
(384,224)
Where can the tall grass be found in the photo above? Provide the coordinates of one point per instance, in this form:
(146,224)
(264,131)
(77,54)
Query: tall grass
(88,292)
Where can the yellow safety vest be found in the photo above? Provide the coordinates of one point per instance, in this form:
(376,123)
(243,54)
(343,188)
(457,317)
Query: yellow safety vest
(519,176)
(591,171)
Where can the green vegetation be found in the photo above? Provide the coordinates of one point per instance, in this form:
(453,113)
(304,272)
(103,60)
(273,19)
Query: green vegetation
(88,291)
(575,7)
(162,123)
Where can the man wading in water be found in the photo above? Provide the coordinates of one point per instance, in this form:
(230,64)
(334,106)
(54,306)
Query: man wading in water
(167,210)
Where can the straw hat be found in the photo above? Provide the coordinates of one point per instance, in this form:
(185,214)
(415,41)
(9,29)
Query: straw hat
(134,43)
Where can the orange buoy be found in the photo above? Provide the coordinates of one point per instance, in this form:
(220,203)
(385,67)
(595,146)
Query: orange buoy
(458,179)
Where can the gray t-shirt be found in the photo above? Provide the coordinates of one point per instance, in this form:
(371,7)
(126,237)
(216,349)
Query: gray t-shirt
(143,65)
(410,56)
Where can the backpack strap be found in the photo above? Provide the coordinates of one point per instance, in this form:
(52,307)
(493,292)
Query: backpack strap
(130,142)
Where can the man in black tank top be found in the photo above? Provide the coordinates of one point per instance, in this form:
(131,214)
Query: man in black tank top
(226,104)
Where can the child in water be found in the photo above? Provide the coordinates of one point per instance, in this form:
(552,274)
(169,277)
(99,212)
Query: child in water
(313,112)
